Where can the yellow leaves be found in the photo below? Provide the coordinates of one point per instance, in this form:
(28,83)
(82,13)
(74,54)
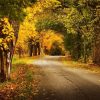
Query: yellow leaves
(5,20)
(28,28)
(7,29)
(1,40)
(5,46)
(7,33)
(49,37)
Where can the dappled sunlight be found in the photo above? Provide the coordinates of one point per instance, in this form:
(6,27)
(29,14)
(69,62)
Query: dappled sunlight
(47,63)
(49,49)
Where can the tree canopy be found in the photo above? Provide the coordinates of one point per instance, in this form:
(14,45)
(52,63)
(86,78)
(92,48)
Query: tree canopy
(73,24)
(14,9)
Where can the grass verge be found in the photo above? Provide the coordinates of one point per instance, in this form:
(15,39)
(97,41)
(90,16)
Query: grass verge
(91,67)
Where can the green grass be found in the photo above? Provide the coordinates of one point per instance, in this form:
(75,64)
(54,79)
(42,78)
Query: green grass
(17,60)
(23,60)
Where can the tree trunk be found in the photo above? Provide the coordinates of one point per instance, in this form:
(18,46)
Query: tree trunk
(31,51)
(15,25)
(38,48)
(96,58)
(78,49)
(85,59)
(3,75)
(34,50)
(8,65)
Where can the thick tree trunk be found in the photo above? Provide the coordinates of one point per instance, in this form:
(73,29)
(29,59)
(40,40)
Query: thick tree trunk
(2,74)
(30,50)
(34,50)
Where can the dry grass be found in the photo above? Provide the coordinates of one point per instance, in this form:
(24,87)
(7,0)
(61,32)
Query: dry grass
(89,66)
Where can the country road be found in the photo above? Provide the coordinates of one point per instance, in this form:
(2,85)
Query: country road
(59,82)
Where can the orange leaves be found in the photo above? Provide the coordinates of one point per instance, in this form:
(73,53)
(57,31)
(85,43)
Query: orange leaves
(21,86)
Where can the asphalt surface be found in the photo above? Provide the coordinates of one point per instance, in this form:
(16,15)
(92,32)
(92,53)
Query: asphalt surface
(59,82)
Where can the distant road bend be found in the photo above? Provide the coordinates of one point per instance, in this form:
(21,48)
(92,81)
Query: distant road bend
(65,83)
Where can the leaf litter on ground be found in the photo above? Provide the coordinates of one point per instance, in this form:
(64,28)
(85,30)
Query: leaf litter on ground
(23,85)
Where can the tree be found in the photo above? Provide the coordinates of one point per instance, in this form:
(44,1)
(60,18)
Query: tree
(34,45)
(75,19)
(14,11)
(81,19)
(6,38)
(20,48)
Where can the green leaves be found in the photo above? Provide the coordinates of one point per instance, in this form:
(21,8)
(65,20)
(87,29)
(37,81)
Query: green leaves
(46,24)
(13,9)
(80,21)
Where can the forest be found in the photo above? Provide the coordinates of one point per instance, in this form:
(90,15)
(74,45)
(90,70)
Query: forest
(52,27)
(33,28)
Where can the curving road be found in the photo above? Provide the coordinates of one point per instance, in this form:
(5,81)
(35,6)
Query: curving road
(63,83)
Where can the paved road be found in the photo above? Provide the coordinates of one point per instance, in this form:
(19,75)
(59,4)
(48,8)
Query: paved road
(64,83)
